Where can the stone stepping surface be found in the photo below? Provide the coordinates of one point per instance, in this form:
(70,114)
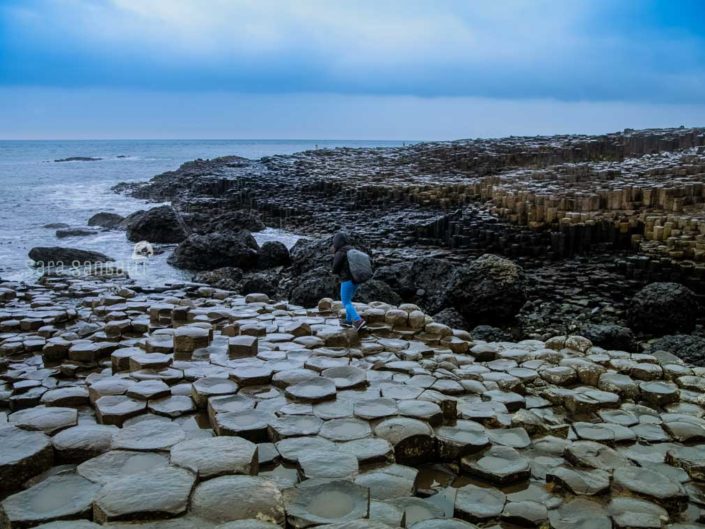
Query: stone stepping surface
(194,407)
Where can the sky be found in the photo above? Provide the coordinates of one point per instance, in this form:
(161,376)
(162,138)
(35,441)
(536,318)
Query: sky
(347,69)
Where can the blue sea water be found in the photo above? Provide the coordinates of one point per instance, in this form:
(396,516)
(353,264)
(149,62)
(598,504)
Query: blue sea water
(35,191)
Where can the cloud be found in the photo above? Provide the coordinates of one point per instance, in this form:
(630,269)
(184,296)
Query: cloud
(574,50)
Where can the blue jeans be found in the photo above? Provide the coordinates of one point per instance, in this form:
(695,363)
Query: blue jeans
(347,291)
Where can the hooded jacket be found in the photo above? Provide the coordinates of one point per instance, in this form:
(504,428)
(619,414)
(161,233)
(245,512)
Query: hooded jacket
(340,259)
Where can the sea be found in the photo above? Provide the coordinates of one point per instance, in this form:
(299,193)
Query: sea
(36,190)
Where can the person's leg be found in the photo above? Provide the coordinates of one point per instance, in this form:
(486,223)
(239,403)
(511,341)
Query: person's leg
(347,291)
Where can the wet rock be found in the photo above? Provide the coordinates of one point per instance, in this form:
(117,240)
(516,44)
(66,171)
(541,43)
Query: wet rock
(443,524)
(62,233)
(273,254)
(315,390)
(148,435)
(423,281)
(688,348)
(74,397)
(217,456)
(412,439)
(489,290)
(58,256)
(328,465)
(500,465)
(652,485)
(478,504)
(159,225)
(660,308)
(580,513)
(216,250)
(466,437)
(488,333)
(157,493)
(312,286)
(394,481)
(49,420)
(24,454)
(231,498)
(635,513)
(208,387)
(83,442)
(118,464)
(368,450)
(334,502)
(450,317)
(105,219)
(116,409)
(227,277)
(525,513)
(610,336)
(579,481)
(63,496)
(252,425)
(659,393)
(375,290)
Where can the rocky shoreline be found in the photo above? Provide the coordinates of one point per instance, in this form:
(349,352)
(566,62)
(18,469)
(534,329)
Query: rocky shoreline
(591,220)
(190,406)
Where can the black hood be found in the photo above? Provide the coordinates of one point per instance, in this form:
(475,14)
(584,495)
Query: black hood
(339,240)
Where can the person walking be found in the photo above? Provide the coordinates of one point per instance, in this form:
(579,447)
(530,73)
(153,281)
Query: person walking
(348,287)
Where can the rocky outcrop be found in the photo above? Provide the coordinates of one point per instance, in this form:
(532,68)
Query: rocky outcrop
(106,219)
(312,286)
(375,290)
(60,256)
(216,250)
(273,254)
(157,225)
(489,290)
(662,308)
(424,281)
(610,336)
(688,348)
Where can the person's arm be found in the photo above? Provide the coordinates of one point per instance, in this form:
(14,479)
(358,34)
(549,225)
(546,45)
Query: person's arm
(338,261)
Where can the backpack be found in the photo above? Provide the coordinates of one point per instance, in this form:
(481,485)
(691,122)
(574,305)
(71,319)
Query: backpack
(360,266)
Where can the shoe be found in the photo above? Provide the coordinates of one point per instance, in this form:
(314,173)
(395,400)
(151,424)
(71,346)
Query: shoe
(359,324)
(344,323)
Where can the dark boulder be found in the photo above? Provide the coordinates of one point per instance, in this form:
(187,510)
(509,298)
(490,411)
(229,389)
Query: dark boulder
(450,317)
(56,225)
(490,334)
(688,348)
(490,290)
(273,254)
(105,219)
(216,250)
(663,308)
(375,290)
(158,225)
(423,281)
(227,278)
(609,336)
(66,256)
(312,286)
(260,282)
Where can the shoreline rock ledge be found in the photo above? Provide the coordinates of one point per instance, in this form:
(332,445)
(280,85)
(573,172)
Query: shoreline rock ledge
(184,406)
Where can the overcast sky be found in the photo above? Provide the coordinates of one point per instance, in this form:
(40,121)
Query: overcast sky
(354,69)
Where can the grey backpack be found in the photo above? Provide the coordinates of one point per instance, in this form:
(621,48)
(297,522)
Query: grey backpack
(360,266)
